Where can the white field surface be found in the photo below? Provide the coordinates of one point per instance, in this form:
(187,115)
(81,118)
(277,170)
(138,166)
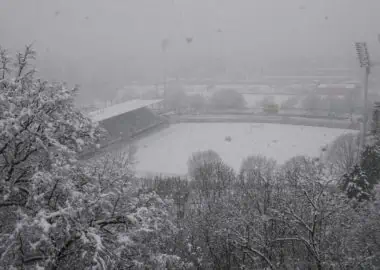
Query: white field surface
(167,151)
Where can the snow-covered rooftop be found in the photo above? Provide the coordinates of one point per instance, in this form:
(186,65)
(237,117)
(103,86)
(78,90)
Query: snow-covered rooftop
(121,108)
(341,86)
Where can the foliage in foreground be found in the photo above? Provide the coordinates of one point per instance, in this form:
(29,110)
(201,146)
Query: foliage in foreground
(271,217)
(58,213)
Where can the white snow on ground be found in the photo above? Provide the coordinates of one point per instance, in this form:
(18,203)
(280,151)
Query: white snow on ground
(167,151)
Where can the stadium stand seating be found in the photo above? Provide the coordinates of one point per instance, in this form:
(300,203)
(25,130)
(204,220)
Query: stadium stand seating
(125,121)
(129,124)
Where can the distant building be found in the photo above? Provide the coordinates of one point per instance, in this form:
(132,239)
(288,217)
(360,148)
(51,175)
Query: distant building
(337,89)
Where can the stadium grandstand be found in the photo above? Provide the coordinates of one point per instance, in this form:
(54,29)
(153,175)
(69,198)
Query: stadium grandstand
(128,119)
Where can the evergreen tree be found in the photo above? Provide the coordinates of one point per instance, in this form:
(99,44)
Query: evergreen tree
(360,182)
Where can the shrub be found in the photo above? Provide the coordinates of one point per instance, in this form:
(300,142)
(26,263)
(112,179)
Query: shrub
(227,99)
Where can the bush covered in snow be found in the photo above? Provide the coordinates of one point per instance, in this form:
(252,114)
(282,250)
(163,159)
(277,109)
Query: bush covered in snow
(57,212)
(227,99)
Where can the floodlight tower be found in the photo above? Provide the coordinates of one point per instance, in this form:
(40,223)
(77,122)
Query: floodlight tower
(364,61)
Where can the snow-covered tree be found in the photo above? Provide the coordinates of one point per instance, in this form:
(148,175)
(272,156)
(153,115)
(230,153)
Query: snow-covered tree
(258,168)
(197,102)
(342,154)
(175,97)
(41,133)
(290,103)
(57,212)
(360,181)
(226,99)
(201,158)
(288,217)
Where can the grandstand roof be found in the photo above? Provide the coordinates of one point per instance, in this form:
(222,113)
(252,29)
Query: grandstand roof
(121,108)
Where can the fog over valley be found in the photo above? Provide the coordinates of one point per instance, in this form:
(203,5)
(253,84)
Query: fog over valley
(103,45)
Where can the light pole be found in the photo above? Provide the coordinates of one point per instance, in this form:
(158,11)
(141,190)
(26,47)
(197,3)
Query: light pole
(364,60)
(164,48)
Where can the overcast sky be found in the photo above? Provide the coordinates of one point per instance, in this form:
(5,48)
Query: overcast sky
(109,37)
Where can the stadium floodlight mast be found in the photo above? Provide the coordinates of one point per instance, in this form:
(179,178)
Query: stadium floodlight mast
(365,62)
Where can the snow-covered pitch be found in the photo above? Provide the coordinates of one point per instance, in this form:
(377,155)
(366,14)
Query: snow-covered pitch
(167,151)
